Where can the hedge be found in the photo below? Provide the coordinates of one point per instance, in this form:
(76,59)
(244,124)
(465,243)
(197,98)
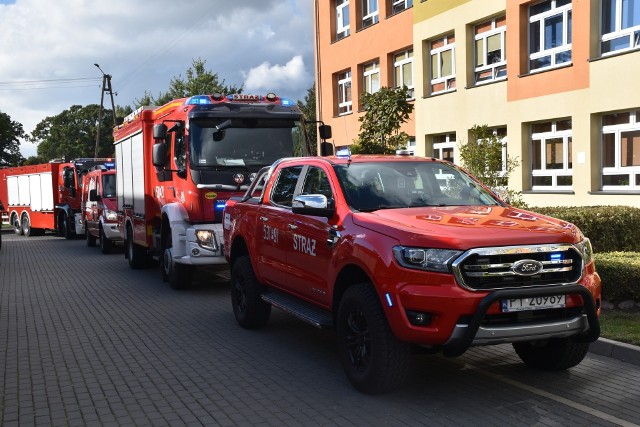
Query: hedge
(610,228)
(619,272)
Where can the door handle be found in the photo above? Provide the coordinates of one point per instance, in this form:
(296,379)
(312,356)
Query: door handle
(293,227)
(264,219)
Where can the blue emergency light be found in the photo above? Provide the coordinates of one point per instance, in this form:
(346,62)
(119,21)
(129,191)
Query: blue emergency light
(198,100)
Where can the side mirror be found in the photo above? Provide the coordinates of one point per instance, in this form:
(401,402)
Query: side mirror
(326,149)
(160,131)
(67,178)
(159,154)
(93,195)
(324,131)
(314,205)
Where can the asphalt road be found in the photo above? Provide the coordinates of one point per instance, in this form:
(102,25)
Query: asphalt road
(84,340)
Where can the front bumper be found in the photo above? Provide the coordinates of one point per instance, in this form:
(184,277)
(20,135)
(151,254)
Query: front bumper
(111,231)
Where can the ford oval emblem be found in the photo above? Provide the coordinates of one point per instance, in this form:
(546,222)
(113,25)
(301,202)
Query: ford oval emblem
(527,267)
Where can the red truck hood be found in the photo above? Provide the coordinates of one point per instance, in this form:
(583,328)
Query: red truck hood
(465,227)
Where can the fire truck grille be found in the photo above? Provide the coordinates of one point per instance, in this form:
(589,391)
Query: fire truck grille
(518,266)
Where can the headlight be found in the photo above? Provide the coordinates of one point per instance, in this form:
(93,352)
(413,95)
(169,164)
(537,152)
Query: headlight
(207,239)
(585,249)
(425,259)
(110,215)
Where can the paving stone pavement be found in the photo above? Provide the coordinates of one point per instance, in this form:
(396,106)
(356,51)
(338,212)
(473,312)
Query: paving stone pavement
(84,340)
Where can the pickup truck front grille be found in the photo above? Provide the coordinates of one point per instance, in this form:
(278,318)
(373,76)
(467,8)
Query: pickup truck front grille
(518,266)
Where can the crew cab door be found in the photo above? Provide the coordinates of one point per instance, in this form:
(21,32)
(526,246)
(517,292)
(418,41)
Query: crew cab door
(272,235)
(309,257)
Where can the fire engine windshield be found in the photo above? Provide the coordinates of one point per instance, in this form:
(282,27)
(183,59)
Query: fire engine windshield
(390,185)
(241,142)
(108,186)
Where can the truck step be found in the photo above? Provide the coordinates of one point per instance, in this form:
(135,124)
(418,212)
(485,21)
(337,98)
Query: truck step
(304,311)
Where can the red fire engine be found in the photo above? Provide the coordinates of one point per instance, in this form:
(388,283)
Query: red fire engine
(178,164)
(46,196)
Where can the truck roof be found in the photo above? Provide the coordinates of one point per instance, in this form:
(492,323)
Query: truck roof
(365,158)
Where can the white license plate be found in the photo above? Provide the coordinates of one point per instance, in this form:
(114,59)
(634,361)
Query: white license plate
(534,303)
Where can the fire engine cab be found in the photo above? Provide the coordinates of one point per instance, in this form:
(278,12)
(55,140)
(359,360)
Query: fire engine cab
(179,163)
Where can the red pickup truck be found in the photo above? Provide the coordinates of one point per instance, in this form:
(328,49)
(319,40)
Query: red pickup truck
(399,251)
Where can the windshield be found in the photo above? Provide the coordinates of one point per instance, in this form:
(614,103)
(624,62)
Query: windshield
(241,142)
(387,185)
(109,186)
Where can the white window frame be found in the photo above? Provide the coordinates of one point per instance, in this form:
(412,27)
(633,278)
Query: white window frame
(369,17)
(398,6)
(498,69)
(398,64)
(631,34)
(556,51)
(342,7)
(450,142)
(345,96)
(367,76)
(567,137)
(618,169)
(448,80)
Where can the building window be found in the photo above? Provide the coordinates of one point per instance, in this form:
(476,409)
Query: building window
(620,25)
(371,77)
(403,70)
(621,151)
(491,57)
(342,19)
(551,155)
(444,146)
(369,12)
(399,5)
(344,93)
(549,34)
(443,67)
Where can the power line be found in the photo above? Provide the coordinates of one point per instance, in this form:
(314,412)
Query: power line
(47,81)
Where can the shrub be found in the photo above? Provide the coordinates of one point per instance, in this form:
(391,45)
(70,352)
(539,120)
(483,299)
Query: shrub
(619,272)
(610,228)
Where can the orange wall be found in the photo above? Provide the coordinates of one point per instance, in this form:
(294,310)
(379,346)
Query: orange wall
(520,84)
(379,41)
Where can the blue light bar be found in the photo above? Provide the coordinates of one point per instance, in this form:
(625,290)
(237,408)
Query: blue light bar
(198,100)
(220,205)
(555,257)
(287,102)
(389,300)
(345,153)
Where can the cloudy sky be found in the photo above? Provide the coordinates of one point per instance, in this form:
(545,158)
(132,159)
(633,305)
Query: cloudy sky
(48,50)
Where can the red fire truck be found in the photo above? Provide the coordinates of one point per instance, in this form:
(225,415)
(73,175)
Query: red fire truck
(179,163)
(99,206)
(46,196)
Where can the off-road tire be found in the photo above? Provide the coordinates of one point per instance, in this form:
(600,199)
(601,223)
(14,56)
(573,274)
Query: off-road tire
(250,310)
(373,359)
(555,354)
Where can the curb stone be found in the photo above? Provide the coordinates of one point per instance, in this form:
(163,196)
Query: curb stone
(616,350)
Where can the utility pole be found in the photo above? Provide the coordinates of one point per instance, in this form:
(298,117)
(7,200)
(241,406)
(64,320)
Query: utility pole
(106,87)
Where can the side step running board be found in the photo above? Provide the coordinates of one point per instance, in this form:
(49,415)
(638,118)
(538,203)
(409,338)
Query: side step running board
(301,309)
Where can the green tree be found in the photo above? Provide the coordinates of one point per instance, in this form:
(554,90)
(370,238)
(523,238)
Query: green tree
(482,157)
(33,160)
(385,112)
(10,134)
(72,133)
(308,108)
(199,81)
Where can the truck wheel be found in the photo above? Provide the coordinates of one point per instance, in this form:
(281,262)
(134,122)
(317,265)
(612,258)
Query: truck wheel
(91,240)
(17,226)
(26,226)
(555,354)
(105,244)
(178,275)
(373,359)
(69,234)
(250,310)
(135,254)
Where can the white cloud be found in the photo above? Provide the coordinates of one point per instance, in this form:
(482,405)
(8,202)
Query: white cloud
(278,78)
(143,44)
